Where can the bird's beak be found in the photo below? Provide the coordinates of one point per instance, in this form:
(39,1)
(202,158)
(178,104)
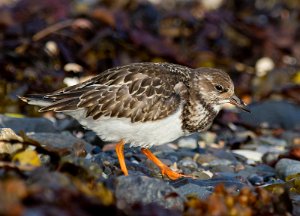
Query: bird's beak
(238,102)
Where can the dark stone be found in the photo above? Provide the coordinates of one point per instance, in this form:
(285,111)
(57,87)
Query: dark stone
(130,190)
(286,167)
(256,180)
(63,141)
(27,124)
(278,114)
(262,170)
(209,184)
(96,150)
(193,189)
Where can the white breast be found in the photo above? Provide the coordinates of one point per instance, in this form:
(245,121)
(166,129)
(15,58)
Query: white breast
(144,134)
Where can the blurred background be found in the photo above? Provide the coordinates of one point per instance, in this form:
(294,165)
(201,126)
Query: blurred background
(46,45)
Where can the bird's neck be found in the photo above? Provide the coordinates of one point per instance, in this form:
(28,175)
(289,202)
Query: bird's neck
(198,114)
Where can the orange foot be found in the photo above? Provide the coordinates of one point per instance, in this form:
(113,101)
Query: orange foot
(120,154)
(165,170)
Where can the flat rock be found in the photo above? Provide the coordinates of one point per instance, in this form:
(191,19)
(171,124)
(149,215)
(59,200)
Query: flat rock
(195,190)
(60,141)
(252,156)
(286,167)
(210,184)
(282,114)
(27,124)
(131,190)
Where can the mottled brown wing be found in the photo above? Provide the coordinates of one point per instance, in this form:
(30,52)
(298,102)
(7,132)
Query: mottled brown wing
(140,92)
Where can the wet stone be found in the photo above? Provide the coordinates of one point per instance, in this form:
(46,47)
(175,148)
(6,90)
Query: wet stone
(209,184)
(220,162)
(204,158)
(257,174)
(251,156)
(106,161)
(256,180)
(228,155)
(27,124)
(272,141)
(131,190)
(222,168)
(63,141)
(194,190)
(187,163)
(202,174)
(270,157)
(286,167)
(275,114)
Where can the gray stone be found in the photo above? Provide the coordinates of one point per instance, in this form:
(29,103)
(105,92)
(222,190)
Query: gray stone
(218,162)
(281,114)
(27,124)
(286,167)
(187,163)
(222,168)
(252,156)
(192,189)
(130,190)
(295,197)
(262,170)
(190,142)
(210,184)
(60,141)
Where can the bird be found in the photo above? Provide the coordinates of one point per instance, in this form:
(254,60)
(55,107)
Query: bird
(144,104)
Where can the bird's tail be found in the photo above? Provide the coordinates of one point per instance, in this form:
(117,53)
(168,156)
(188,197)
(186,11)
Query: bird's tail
(36,99)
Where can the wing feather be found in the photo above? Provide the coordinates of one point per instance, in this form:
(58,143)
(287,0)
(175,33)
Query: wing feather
(136,91)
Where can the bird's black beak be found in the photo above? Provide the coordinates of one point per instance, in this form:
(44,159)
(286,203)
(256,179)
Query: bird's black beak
(239,103)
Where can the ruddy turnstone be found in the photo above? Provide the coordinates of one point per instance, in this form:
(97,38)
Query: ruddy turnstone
(144,104)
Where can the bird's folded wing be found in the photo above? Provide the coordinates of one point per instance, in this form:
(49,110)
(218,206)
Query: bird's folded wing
(136,92)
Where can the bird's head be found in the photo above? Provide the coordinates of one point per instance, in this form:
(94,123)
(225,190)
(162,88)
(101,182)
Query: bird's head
(215,86)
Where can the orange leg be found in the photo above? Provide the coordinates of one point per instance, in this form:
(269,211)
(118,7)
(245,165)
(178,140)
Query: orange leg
(120,154)
(165,170)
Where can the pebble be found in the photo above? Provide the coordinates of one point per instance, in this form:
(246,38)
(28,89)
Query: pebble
(260,171)
(270,157)
(256,180)
(285,167)
(190,142)
(218,162)
(252,156)
(194,190)
(187,163)
(222,168)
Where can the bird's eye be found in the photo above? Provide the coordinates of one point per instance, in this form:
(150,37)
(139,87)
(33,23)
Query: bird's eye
(219,88)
